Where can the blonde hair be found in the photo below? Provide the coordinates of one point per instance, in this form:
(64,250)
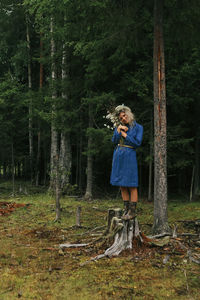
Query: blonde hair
(125,109)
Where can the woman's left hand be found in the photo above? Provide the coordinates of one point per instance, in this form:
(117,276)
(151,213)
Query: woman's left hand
(123,133)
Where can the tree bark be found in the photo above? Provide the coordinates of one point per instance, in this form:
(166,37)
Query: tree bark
(38,158)
(30,123)
(160,154)
(88,193)
(39,127)
(192,184)
(65,159)
(54,134)
(13,170)
(150,162)
(80,161)
(57,188)
(196,193)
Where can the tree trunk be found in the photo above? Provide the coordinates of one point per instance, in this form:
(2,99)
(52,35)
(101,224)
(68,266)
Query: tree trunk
(30,124)
(80,162)
(160,154)
(37,179)
(38,158)
(88,193)
(150,162)
(13,170)
(65,160)
(192,184)
(45,157)
(196,193)
(54,134)
(57,188)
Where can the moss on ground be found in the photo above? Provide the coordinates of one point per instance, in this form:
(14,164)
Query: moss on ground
(33,267)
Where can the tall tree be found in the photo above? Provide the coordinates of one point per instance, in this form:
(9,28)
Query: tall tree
(54,133)
(160,126)
(30,123)
(89,170)
(65,158)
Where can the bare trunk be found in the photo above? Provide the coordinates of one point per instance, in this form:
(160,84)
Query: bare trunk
(30,124)
(41,64)
(192,184)
(39,130)
(160,154)
(150,162)
(13,170)
(54,134)
(65,160)
(78,216)
(38,158)
(88,193)
(196,194)
(80,163)
(57,188)
(45,162)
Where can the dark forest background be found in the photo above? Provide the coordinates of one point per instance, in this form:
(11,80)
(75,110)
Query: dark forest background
(64,63)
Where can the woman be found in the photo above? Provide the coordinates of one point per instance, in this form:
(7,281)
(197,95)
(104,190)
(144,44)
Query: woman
(127,136)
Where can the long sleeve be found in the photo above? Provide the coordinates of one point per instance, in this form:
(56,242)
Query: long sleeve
(116,137)
(134,136)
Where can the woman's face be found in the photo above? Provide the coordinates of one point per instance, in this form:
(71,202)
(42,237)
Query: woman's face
(123,118)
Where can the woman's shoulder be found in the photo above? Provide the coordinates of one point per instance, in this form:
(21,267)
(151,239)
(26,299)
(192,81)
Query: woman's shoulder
(137,125)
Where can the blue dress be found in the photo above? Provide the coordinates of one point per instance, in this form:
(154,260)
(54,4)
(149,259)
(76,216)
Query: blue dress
(124,165)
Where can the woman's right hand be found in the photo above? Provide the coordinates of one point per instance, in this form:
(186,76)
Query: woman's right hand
(122,128)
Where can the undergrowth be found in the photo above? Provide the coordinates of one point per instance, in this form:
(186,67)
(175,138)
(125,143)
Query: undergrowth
(32,266)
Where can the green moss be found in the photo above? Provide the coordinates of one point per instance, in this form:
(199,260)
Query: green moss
(33,267)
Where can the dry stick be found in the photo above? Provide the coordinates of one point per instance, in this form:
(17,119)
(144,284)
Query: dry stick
(159,235)
(174,234)
(94,229)
(78,216)
(187,286)
(188,234)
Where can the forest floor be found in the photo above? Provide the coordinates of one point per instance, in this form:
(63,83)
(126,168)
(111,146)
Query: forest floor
(32,265)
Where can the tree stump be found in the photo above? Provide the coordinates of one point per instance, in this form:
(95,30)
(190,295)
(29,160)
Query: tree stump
(126,235)
(122,231)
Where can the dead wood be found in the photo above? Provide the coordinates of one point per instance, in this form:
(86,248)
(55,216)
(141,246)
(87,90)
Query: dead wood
(121,235)
(78,216)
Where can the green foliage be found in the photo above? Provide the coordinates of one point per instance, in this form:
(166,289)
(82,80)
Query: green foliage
(109,46)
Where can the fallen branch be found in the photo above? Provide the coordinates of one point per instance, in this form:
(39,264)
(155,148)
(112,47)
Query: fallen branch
(67,245)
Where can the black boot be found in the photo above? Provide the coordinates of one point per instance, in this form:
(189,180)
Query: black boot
(126,207)
(131,212)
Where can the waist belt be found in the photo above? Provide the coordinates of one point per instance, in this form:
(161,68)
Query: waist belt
(127,146)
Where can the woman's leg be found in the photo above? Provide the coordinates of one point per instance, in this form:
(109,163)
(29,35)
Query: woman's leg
(133,203)
(125,193)
(125,197)
(134,194)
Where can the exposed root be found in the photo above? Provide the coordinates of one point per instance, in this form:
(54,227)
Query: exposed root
(125,236)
